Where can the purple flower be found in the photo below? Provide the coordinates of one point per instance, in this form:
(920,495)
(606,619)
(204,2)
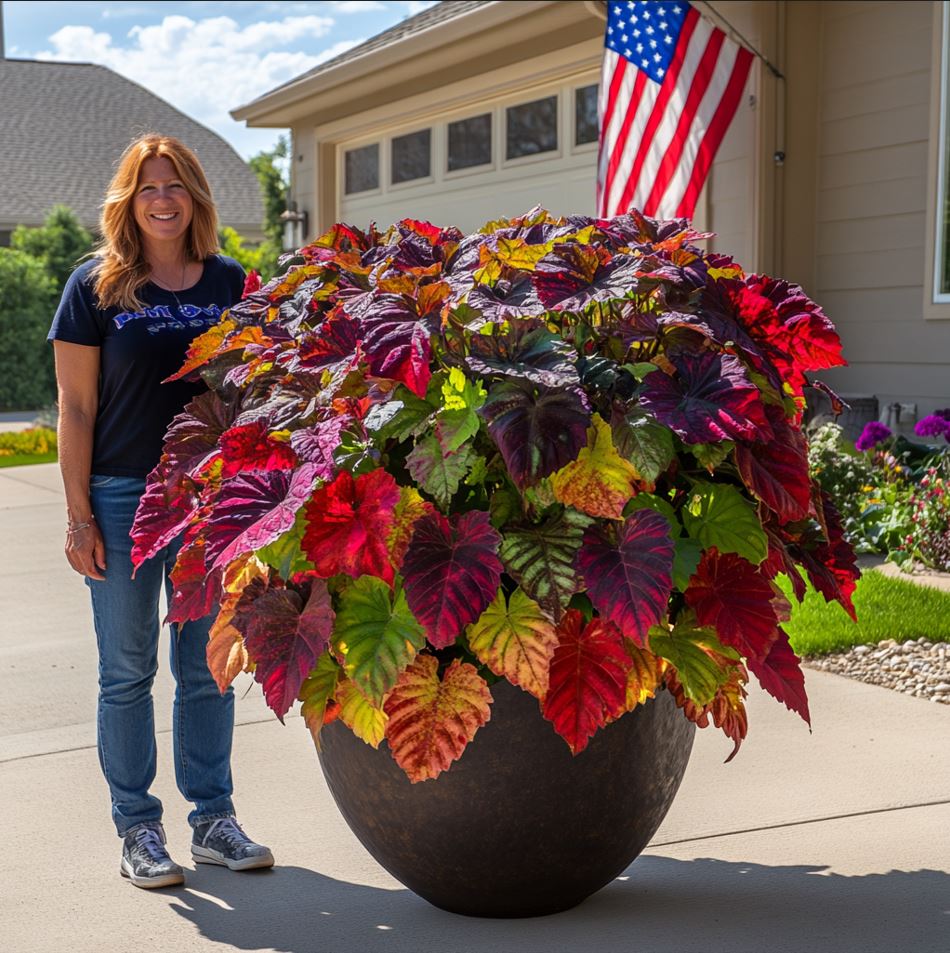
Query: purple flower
(874,433)
(945,413)
(934,425)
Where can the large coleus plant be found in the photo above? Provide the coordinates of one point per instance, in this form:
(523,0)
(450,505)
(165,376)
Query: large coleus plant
(561,451)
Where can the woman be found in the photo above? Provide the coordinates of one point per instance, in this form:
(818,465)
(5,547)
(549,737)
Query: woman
(124,323)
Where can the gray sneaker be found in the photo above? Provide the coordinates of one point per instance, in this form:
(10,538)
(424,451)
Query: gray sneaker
(221,841)
(144,859)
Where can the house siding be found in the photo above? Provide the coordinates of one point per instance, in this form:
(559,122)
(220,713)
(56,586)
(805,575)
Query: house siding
(871,239)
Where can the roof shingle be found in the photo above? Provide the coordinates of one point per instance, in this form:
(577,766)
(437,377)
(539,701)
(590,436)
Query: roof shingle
(63,127)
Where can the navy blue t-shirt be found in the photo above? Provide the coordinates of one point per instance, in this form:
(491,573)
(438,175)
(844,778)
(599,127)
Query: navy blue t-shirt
(138,350)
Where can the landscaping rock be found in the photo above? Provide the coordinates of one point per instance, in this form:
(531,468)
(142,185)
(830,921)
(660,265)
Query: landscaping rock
(917,667)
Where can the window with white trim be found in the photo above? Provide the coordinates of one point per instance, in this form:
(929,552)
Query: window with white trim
(361,169)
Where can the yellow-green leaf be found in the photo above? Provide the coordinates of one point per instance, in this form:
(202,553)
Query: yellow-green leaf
(367,722)
(516,640)
(318,688)
(599,482)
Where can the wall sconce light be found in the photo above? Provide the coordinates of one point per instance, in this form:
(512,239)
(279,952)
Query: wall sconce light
(295,227)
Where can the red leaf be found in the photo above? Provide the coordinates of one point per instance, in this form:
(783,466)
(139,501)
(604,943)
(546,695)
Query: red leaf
(348,525)
(588,680)
(253,509)
(628,571)
(196,592)
(730,594)
(167,507)
(727,707)
(451,572)
(780,674)
(252,283)
(284,636)
(251,447)
(777,472)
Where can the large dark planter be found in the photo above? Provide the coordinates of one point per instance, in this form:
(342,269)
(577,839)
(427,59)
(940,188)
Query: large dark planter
(517,827)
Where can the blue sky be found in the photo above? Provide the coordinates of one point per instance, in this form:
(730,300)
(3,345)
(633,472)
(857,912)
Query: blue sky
(203,57)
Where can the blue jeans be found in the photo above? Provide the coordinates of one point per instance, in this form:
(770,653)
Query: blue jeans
(125,612)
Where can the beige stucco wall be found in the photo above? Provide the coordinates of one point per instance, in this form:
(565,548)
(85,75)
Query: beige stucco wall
(876,63)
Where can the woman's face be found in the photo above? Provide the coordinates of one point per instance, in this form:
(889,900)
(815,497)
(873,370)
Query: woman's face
(162,206)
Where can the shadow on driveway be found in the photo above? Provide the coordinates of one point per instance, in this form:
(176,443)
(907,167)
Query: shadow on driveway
(659,904)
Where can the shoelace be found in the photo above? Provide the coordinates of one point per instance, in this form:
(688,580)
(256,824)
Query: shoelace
(151,841)
(230,830)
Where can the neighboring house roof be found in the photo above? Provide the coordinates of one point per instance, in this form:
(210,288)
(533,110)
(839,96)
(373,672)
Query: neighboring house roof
(430,17)
(63,127)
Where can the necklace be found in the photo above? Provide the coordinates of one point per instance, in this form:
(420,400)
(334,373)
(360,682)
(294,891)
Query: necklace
(181,285)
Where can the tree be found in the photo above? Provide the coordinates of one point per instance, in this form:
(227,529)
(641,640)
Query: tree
(270,167)
(59,244)
(27,291)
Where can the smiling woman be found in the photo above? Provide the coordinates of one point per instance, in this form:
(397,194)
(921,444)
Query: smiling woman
(123,326)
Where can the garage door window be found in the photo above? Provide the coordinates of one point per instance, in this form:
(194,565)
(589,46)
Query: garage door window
(469,142)
(361,169)
(585,115)
(531,128)
(411,156)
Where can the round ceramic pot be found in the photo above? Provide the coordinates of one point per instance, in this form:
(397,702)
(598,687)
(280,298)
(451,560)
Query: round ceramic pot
(518,827)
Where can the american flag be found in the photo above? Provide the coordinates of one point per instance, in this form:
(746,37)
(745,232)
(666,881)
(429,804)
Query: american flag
(670,85)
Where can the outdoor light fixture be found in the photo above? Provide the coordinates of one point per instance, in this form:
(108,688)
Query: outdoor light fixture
(295,226)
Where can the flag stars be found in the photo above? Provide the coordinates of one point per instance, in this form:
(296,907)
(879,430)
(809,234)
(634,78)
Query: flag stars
(667,39)
(653,44)
(644,63)
(639,47)
(650,30)
(677,10)
(657,57)
(636,32)
(623,39)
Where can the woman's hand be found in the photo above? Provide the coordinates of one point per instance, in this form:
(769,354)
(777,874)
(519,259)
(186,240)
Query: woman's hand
(86,551)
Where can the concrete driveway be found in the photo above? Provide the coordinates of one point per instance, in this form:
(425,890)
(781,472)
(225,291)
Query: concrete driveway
(836,840)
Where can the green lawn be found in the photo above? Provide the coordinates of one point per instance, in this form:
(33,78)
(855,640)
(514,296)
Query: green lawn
(25,459)
(887,609)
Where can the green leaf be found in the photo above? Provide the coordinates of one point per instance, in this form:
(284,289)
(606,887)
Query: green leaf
(686,555)
(701,661)
(717,514)
(355,454)
(375,638)
(284,554)
(711,455)
(410,418)
(505,507)
(646,443)
(437,473)
(641,369)
(359,714)
(650,501)
(316,691)
(541,559)
(458,420)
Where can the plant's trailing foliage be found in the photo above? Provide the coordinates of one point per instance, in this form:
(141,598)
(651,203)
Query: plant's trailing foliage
(563,452)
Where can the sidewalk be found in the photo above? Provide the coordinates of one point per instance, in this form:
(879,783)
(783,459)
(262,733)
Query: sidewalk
(831,841)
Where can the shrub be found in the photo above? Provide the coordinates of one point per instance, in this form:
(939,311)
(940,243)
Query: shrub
(27,294)
(35,442)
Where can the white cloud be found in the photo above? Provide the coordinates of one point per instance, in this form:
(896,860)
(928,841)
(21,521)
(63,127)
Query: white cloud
(357,6)
(204,67)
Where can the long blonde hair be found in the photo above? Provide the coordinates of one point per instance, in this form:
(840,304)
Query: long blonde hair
(122,269)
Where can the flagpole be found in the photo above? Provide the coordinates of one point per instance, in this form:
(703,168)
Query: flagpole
(774,70)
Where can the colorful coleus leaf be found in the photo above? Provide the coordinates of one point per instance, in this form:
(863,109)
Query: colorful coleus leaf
(375,636)
(727,706)
(647,444)
(451,572)
(193,435)
(348,525)
(436,471)
(458,421)
(777,472)
(702,663)
(195,591)
(599,482)
(537,429)
(646,674)
(524,352)
(516,640)
(732,596)
(316,692)
(710,398)
(628,571)
(432,719)
(224,337)
(409,510)
(285,632)
(780,674)
(573,276)
(254,447)
(366,720)
(588,680)
(169,504)
(541,559)
(717,514)
(396,341)
(254,509)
